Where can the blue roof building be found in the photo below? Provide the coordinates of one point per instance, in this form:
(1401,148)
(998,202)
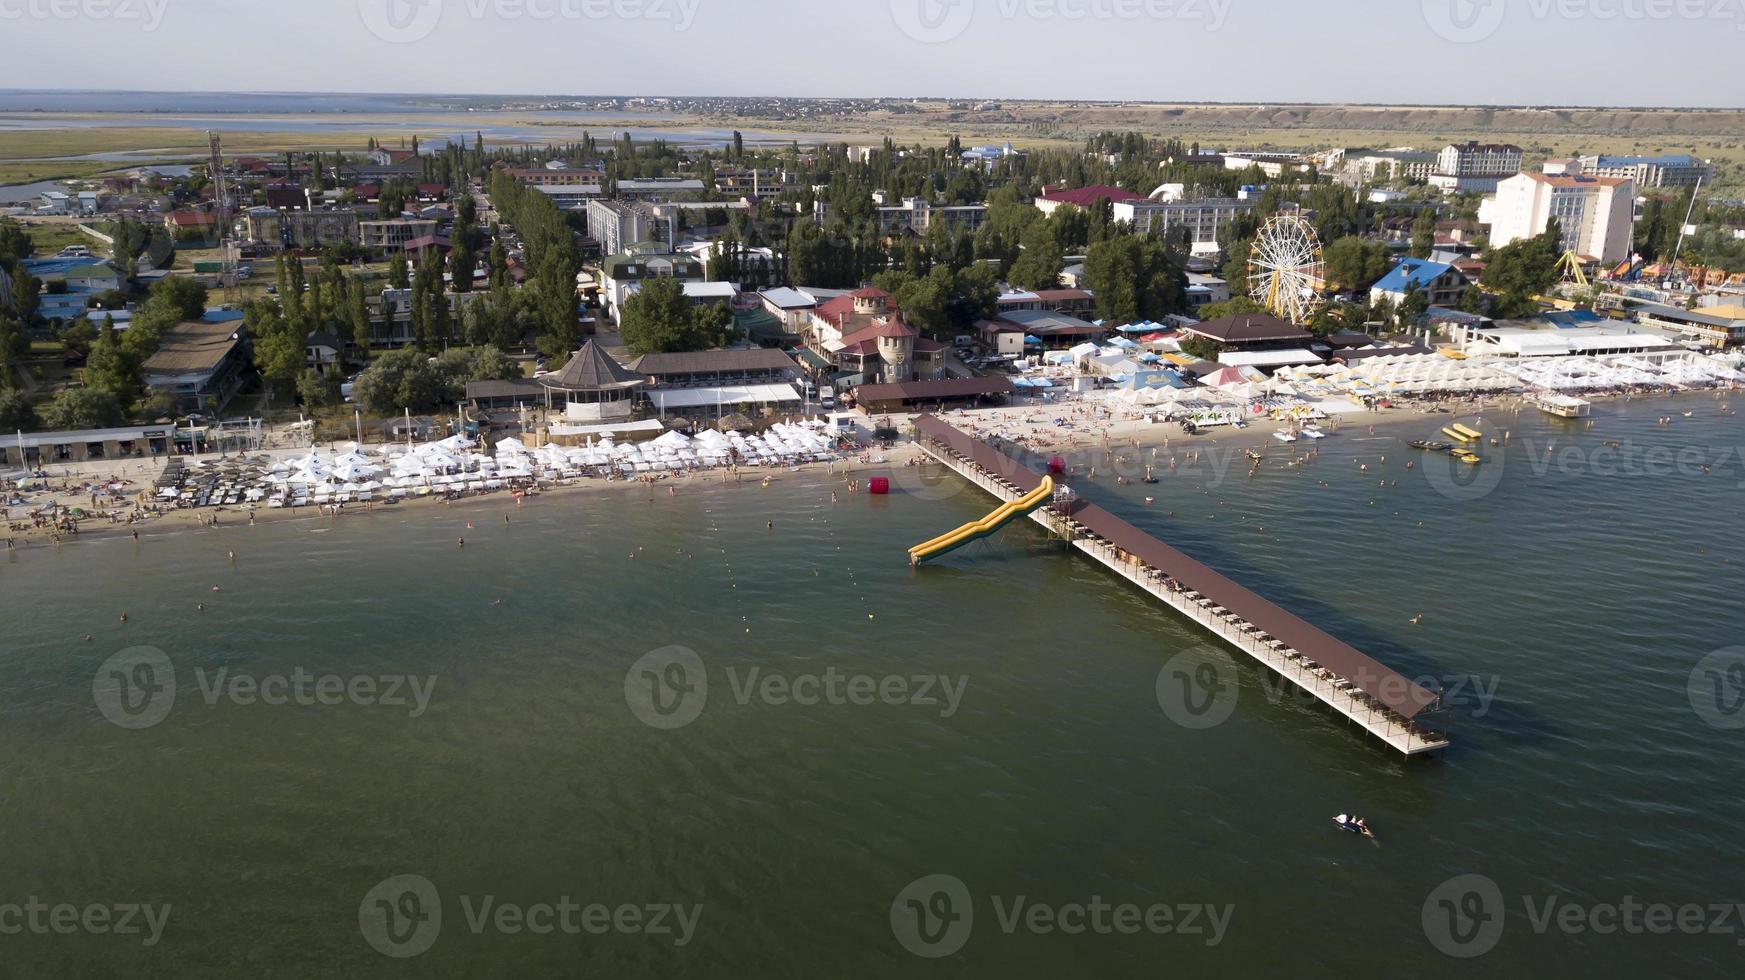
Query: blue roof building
(1440,283)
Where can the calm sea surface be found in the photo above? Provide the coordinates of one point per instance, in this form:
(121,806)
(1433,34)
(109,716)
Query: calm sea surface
(1571,600)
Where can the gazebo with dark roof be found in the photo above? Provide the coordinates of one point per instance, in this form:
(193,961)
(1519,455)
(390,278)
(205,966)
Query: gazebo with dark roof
(593,385)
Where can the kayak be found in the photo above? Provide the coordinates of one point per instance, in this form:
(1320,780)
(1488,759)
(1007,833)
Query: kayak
(1350,827)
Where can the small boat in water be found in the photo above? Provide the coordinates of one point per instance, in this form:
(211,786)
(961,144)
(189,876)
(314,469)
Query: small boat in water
(1471,459)
(1564,406)
(1432,447)
(1283,436)
(1354,825)
(1310,432)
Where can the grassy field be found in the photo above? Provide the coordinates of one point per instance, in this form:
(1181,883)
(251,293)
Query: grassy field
(51,238)
(1717,134)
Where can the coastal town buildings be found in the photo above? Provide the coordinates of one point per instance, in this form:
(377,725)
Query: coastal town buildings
(1596,214)
(1475,167)
(1440,283)
(1201,218)
(1677,170)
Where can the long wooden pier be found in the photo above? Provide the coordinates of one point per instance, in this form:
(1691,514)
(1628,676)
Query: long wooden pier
(1384,703)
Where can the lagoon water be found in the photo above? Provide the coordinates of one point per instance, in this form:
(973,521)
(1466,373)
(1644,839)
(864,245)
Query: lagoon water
(1580,599)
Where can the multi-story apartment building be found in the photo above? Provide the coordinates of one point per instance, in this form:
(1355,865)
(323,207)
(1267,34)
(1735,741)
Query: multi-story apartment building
(394,233)
(1475,166)
(917,215)
(658,188)
(617,225)
(1201,218)
(622,274)
(1596,214)
(301,229)
(557,176)
(1680,170)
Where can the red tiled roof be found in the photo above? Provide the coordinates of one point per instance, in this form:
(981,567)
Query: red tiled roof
(889,327)
(1084,196)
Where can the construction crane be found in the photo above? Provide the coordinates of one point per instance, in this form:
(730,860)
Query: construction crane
(221,200)
(1679,248)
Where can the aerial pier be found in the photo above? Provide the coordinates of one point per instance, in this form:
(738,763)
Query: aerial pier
(1386,704)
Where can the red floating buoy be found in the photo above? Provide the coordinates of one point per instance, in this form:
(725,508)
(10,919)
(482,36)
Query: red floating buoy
(1056,465)
(879,485)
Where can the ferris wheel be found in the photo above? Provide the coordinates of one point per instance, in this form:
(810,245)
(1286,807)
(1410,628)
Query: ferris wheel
(1284,268)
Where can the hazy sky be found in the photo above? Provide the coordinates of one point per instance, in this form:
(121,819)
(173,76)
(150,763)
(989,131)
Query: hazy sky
(1574,52)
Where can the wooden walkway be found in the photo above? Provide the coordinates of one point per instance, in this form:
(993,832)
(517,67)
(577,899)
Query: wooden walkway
(1384,703)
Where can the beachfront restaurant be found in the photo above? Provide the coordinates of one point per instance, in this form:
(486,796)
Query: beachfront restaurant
(592,387)
(911,395)
(717,401)
(39,449)
(1051,330)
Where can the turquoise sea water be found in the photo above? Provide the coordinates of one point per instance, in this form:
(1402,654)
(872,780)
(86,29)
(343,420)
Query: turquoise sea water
(1578,598)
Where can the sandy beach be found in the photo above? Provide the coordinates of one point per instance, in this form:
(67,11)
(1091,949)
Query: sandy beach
(1098,442)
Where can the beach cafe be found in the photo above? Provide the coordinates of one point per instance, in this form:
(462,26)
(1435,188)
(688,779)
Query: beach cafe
(33,449)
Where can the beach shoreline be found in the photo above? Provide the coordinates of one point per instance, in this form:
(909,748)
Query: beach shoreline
(1096,442)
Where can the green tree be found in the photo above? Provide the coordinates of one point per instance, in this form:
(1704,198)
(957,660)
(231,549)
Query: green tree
(1424,234)
(17,414)
(361,332)
(280,345)
(1135,279)
(1039,264)
(111,367)
(1235,306)
(318,389)
(1414,306)
(398,381)
(460,365)
(26,294)
(1354,263)
(78,336)
(83,408)
(1203,348)
(660,319)
(1518,272)
(714,321)
(14,345)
